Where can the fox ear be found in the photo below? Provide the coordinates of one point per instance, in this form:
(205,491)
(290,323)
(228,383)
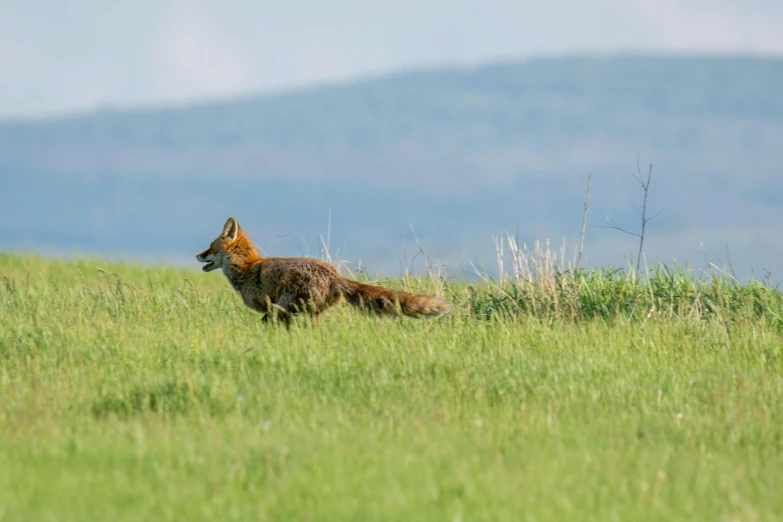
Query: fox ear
(230,229)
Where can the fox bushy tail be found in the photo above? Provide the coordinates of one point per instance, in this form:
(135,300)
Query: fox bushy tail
(385,301)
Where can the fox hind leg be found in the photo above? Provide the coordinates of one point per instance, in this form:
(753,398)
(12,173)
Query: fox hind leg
(278,313)
(300,304)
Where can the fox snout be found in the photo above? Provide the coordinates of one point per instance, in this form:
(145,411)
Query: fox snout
(208,258)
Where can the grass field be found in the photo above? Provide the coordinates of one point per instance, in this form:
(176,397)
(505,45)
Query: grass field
(131,393)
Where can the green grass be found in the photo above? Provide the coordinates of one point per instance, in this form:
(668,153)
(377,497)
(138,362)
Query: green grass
(153,394)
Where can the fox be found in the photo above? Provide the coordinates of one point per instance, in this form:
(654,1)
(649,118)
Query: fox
(284,287)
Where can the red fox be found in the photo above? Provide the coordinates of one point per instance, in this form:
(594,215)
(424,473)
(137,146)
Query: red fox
(292,285)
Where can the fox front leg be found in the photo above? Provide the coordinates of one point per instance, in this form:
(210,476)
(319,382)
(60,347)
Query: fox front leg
(281,315)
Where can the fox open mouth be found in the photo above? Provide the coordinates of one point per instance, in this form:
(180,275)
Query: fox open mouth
(209,265)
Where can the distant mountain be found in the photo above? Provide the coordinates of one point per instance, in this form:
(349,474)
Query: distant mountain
(459,153)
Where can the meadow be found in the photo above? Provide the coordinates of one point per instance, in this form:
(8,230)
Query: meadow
(141,393)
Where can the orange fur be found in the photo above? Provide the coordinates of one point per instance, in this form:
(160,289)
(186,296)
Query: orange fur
(286,286)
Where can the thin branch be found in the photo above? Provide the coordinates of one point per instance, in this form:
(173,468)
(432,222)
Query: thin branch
(655,215)
(584,225)
(728,260)
(646,187)
(638,175)
(614,226)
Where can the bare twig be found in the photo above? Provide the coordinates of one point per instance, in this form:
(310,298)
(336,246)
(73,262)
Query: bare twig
(728,260)
(584,225)
(645,184)
(325,253)
(614,226)
(427,264)
(646,188)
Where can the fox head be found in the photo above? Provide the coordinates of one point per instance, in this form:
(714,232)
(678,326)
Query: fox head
(216,256)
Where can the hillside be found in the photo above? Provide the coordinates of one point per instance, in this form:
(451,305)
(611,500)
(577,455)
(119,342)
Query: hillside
(460,153)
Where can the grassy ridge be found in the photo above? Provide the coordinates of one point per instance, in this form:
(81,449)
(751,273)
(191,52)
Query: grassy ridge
(602,294)
(153,394)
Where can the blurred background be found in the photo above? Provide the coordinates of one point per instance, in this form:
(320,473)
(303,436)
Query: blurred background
(132,130)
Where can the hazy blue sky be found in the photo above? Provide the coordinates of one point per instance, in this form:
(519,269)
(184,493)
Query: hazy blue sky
(62,56)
